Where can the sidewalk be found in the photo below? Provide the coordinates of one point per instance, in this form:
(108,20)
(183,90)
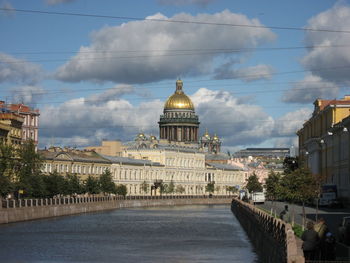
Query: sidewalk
(332,216)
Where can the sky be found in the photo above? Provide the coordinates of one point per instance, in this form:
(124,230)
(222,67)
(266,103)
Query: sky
(102,70)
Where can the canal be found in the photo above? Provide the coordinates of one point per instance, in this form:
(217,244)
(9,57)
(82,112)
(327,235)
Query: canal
(202,233)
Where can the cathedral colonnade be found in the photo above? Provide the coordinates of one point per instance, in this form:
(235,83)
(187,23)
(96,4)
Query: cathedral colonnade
(179,133)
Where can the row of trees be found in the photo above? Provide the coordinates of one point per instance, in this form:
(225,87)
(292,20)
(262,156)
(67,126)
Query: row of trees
(20,172)
(180,189)
(296,185)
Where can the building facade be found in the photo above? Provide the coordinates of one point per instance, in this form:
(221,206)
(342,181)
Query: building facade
(111,148)
(146,164)
(30,125)
(278,153)
(324,143)
(72,161)
(13,123)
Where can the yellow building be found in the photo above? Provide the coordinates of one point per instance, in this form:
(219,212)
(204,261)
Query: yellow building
(14,121)
(111,148)
(4,132)
(316,140)
(73,161)
(177,158)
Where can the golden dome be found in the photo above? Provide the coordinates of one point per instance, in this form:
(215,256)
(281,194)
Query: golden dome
(215,138)
(206,134)
(179,99)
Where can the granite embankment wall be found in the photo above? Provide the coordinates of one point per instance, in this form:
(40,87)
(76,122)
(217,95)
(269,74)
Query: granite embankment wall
(273,239)
(23,210)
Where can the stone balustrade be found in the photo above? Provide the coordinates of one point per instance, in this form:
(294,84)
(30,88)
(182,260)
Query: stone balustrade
(273,239)
(17,203)
(31,209)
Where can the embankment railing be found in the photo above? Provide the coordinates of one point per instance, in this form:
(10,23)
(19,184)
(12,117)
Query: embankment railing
(17,203)
(273,238)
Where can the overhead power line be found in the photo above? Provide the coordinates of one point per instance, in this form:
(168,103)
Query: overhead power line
(91,100)
(42,12)
(261,85)
(212,50)
(67,126)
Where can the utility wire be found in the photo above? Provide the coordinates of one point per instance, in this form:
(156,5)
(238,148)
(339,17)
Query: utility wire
(229,124)
(163,98)
(166,86)
(30,11)
(259,75)
(199,52)
(218,50)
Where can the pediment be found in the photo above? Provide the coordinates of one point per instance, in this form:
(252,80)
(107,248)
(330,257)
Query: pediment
(63,156)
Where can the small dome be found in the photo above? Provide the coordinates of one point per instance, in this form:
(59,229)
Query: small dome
(206,135)
(216,138)
(141,136)
(179,100)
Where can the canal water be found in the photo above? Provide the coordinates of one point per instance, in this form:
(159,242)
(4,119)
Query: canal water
(205,233)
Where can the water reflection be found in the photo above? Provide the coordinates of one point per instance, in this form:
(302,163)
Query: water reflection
(163,234)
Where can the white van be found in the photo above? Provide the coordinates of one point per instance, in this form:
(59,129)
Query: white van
(258,197)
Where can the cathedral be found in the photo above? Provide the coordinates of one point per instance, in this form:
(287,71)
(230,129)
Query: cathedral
(178,162)
(179,126)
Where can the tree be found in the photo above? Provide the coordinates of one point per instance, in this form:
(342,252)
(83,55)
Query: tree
(299,186)
(290,164)
(106,182)
(6,185)
(253,184)
(180,189)
(231,189)
(210,187)
(92,185)
(121,190)
(7,171)
(55,184)
(28,171)
(73,184)
(171,187)
(37,186)
(30,161)
(145,187)
(163,188)
(273,187)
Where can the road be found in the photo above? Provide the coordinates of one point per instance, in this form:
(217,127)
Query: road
(332,216)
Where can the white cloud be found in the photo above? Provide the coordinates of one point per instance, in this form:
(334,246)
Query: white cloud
(56,2)
(9,9)
(80,122)
(152,40)
(247,74)
(290,123)
(27,94)
(202,3)
(332,63)
(286,142)
(237,123)
(83,123)
(309,89)
(111,94)
(19,71)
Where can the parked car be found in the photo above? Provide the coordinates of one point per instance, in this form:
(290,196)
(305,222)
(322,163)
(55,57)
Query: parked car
(258,197)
